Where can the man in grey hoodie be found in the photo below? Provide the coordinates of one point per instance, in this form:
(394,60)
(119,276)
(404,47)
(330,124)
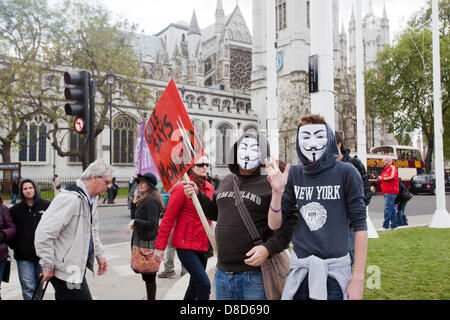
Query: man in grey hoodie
(329,194)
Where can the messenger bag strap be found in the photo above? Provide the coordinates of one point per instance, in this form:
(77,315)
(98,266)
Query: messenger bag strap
(245,215)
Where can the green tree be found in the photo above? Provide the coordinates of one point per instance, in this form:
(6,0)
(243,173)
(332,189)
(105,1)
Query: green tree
(25,85)
(85,37)
(400,88)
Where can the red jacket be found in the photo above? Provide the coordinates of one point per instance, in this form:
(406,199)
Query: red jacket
(391,186)
(188,232)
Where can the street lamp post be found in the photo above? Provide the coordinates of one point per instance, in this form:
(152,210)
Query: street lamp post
(110,77)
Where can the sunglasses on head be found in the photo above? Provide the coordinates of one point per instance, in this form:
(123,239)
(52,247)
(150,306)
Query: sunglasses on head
(200,165)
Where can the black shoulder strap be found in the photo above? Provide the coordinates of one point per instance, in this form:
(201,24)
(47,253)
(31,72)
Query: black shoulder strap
(245,215)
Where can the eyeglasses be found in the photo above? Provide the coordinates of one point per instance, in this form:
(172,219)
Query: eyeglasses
(200,165)
(107,182)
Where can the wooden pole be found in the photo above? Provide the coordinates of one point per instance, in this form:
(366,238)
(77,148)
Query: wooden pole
(202,216)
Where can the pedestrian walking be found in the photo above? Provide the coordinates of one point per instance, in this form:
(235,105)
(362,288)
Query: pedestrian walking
(7,233)
(401,200)
(67,239)
(189,235)
(145,212)
(15,190)
(328,193)
(389,189)
(238,274)
(26,216)
(344,155)
(112,192)
(56,185)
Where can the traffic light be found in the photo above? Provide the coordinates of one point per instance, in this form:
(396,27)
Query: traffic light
(78,92)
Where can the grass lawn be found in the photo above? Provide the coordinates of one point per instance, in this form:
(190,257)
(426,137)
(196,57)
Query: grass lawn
(414,264)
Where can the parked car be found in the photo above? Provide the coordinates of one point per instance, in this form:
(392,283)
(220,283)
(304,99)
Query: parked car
(426,183)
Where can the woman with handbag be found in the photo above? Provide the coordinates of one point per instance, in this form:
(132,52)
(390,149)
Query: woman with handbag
(189,236)
(241,221)
(7,232)
(145,211)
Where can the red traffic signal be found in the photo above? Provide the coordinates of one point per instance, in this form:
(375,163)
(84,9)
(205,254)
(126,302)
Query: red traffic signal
(78,92)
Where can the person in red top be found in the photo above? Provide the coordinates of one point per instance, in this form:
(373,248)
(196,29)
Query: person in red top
(189,236)
(389,188)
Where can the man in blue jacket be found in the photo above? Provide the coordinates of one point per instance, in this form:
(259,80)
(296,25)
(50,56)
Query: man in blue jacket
(329,194)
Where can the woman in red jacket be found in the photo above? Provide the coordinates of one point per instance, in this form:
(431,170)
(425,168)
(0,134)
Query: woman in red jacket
(189,236)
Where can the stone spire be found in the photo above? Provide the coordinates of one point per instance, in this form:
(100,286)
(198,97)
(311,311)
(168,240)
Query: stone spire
(220,17)
(194,28)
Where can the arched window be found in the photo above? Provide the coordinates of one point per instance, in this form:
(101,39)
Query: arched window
(77,143)
(223,143)
(200,129)
(201,100)
(226,105)
(32,142)
(281,19)
(239,106)
(124,130)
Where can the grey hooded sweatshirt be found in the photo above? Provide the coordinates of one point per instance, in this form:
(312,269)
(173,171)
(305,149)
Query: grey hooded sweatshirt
(328,194)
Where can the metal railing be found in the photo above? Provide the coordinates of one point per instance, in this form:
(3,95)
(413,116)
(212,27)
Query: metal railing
(45,186)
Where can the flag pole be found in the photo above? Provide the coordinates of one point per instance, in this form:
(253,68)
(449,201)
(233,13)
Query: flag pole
(202,216)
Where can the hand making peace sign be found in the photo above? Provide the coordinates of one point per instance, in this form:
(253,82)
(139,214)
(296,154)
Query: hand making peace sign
(277,178)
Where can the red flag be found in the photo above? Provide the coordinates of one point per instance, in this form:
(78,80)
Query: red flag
(171,137)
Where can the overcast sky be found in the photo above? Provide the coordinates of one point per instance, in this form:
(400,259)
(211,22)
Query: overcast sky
(154,15)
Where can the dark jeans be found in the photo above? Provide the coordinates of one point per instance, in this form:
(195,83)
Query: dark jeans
(333,288)
(351,244)
(195,263)
(70,291)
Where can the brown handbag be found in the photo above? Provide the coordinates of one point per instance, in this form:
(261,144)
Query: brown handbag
(276,268)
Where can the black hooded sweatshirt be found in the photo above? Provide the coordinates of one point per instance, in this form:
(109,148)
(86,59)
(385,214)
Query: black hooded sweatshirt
(328,194)
(26,219)
(233,239)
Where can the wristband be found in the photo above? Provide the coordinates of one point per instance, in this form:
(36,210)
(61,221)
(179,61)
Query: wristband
(273,210)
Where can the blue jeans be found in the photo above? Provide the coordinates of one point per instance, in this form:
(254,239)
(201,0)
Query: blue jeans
(390,215)
(401,217)
(238,286)
(13,198)
(351,244)
(29,272)
(333,288)
(2,269)
(195,263)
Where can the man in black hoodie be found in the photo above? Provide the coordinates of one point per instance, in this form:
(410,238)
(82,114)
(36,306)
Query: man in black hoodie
(238,275)
(26,216)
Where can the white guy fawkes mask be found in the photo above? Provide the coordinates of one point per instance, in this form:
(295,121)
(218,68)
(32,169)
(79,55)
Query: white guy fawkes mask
(248,153)
(313,140)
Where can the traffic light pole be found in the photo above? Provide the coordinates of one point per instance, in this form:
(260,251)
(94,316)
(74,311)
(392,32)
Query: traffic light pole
(91,121)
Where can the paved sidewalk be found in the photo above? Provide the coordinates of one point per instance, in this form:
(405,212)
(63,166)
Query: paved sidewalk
(121,283)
